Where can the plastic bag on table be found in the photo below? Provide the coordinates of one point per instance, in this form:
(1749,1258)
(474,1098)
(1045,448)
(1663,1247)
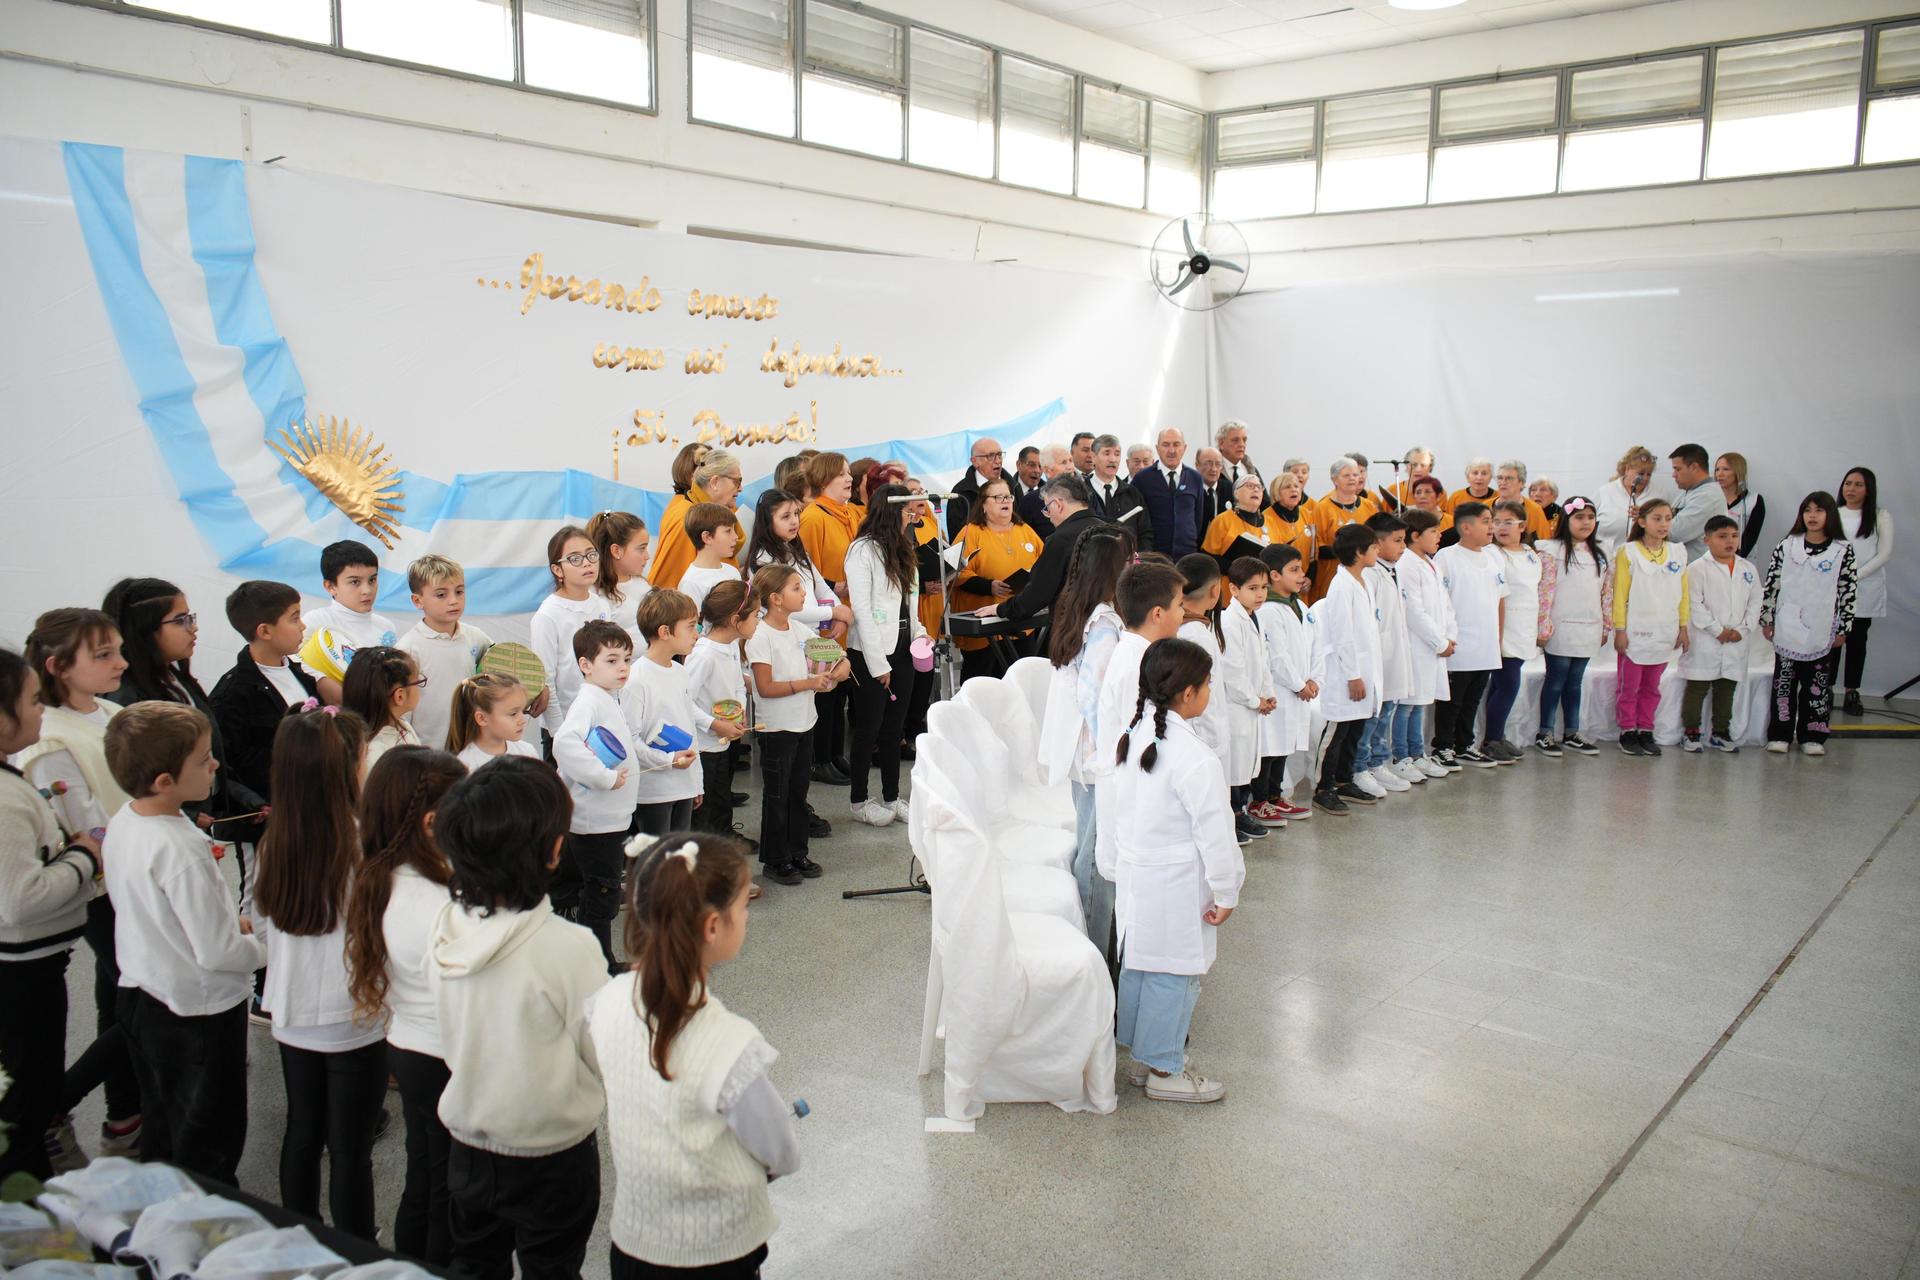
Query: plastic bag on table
(385,1269)
(281,1254)
(69,1270)
(28,1235)
(173,1236)
(103,1200)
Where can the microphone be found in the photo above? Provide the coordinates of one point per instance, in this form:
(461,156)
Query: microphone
(920,497)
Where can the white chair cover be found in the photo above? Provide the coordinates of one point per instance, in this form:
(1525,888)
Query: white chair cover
(959,747)
(1012,722)
(1033,677)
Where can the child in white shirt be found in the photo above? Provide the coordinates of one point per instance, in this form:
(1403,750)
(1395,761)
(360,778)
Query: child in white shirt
(715,530)
(621,540)
(575,565)
(186,958)
(1200,611)
(383,687)
(594,752)
(1246,686)
(1294,665)
(350,572)
(1476,583)
(489,714)
(657,699)
(785,685)
(1175,863)
(445,649)
(715,677)
(1376,765)
(1431,634)
(1723,593)
(1350,640)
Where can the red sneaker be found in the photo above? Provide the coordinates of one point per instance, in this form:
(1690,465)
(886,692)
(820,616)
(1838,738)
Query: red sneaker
(1266,815)
(1291,811)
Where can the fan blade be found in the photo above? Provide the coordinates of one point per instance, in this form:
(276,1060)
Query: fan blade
(1186,279)
(1188,237)
(1224,265)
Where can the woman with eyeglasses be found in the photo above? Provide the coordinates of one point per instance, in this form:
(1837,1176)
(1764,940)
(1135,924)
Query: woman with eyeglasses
(715,477)
(994,544)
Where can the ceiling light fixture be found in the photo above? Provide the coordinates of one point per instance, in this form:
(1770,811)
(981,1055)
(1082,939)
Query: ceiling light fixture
(1425,4)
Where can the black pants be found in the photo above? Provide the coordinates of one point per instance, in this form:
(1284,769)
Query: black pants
(880,720)
(193,1084)
(1856,659)
(106,1060)
(422,1227)
(980,662)
(924,685)
(669,815)
(830,730)
(623,1267)
(538,1207)
(1453,717)
(586,885)
(33,1048)
(715,813)
(784,761)
(333,1105)
(1343,743)
(1267,781)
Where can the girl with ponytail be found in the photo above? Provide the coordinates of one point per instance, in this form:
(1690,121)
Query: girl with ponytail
(1167,842)
(398,889)
(696,1126)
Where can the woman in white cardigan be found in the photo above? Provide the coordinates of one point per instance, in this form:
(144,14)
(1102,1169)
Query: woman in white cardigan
(883,585)
(1870,529)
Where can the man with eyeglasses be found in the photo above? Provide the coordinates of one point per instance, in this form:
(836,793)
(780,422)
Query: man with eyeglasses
(983,466)
(1065,502)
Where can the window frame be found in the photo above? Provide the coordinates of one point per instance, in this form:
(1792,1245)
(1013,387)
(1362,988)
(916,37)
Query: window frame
(1081,138)
(804,67)
(1871,90)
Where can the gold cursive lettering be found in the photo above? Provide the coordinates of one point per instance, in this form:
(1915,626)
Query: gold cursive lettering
(607,355)
(796,364)
(534,279)
(731,306)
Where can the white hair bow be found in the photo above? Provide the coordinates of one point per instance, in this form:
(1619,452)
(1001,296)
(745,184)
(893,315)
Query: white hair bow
(688,853)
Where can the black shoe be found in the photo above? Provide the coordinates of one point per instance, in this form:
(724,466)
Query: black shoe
(1851,704)
(1328,802)
(840,763)
(826,774)
(737,798)
(817,826)
(1476,759)
(906,748)
(809,868)
(1648,747)
(1352,794)
(783,875)
(1630,742)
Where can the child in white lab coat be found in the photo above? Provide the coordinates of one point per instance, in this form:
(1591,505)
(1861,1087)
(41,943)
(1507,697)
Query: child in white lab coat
(1350,641)
(1432,633)
(1376,768)
(1577,576)
(1286,736)
(1723,608)
(1247,683)
(1176,866)
(1200,607)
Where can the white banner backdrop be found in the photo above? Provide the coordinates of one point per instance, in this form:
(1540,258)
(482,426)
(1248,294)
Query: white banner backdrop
(172,314)
(1805,365)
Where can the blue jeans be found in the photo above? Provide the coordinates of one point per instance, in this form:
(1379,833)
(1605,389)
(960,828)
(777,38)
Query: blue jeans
(1375,740)
(1096,891)
(1565,679)
(1502,690)
(1406,737)
(1155,1012)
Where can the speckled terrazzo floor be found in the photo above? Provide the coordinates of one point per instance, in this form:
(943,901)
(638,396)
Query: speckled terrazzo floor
(1443,1023)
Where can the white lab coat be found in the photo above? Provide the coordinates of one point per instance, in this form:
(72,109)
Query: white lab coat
(1212,724)
(1520,634)
(1396,650)
(1431,627)
(1350,640)
(1653,602)
(1170,850)
(1292,659)
(1248,681)
(1718,599)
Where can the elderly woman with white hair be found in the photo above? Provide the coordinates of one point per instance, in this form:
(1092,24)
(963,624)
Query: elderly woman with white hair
(716,477)
(1510,485)
(1479,486)
(1346,503)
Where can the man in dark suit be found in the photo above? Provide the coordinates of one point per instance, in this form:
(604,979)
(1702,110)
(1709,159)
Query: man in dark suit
(1114,495)
(1066,499)
(1030,506)
(1172,493)
(983,466)
(1216,491)
(1027,474)
(1081,447)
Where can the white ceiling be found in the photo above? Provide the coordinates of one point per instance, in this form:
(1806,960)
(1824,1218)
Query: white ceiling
(1219,35)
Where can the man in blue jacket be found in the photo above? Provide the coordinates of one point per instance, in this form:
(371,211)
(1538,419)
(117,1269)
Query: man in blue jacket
(1171,493)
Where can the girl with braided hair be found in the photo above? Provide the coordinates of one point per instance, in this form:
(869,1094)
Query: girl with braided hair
(1175,863)
(398,889)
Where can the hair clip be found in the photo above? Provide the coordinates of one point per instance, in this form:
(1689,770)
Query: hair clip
(311,704)
(331,710)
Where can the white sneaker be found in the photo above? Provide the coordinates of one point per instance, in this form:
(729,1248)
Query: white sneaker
(1430,767)
(1137,1074)
(1364,779)
(1407,771)
(1813,748)
(1387,778)
(873,813)
(1185,1087)
(899,808)
(1777,748)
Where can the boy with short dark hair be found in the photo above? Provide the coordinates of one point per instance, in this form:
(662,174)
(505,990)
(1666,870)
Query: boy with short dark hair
(1724,594)
(1350,643)
(715,533)
(186,957)
(593,750)
(1475,582)
(510,985)
(351,573)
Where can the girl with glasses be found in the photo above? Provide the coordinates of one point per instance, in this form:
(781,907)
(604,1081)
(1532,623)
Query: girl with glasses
(575,566)
(382,687)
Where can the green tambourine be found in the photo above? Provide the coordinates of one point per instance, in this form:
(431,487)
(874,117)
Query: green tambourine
(518,661)
(823,653)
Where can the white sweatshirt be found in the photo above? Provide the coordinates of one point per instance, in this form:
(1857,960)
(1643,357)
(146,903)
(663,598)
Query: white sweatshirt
(413,906)
(599,805)
(657,696)
(714,674)
(550,636)
(176,933)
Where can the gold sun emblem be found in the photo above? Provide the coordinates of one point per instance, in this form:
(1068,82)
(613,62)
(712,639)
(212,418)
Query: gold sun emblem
(349,469)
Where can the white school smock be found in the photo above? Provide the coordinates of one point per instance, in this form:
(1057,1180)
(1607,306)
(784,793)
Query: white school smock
(1720,596)
(1476,583)
(1073,700)
(1292,660)
(1870,556)
(1119,699)
(1653,602)
(1431,627)
(1396,652)
(1579,615)
(1803,616)
(1211,725)
(1248,681)
(1171,851)
(1350,640)
(1520,637)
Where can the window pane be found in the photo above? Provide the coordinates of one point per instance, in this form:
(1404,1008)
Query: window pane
(1897,59)
(855,43)
(1173,181)
(1785,105)
(1665,86)
(475,36)
(742,64)
(1374,153)
(1036,125)
(1639,156)
(950,125)
(1493,170)
(592,47)
(1115,177)
(1265,135)
(295,19)
(855,116)
(1264,190)
(1506,106)
(1893,130)
(1119,119)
